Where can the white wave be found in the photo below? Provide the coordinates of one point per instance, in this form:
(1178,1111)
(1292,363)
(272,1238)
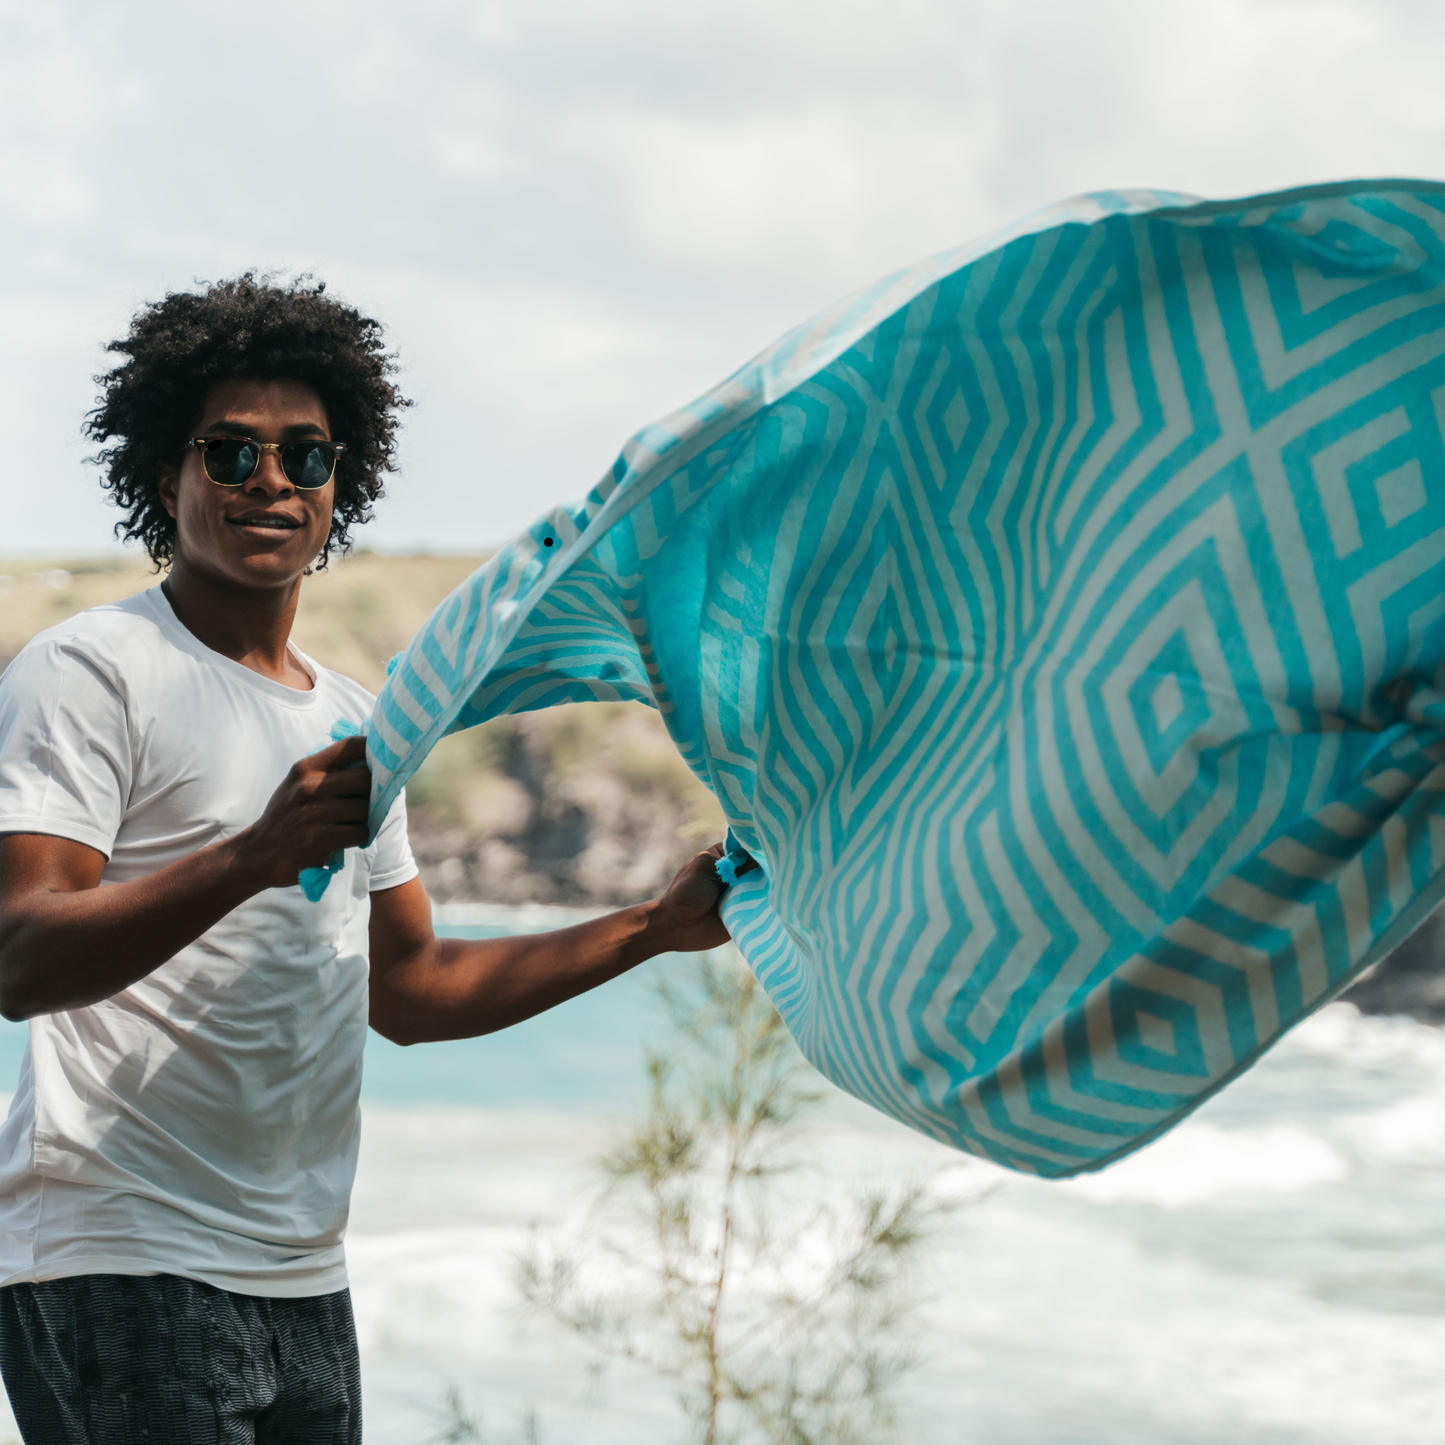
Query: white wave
(1410,1134)
(1340,1031)
(1054,1316)
(1200,1161)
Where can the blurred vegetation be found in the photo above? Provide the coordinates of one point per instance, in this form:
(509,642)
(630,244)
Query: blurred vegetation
(352,617)
(784,1309)
(462,1425)
(584,804)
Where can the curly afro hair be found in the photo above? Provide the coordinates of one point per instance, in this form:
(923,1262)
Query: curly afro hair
(179,348)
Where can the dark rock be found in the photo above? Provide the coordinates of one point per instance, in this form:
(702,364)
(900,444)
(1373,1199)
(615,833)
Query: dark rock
(558,831)
(1411,980)
(585,806)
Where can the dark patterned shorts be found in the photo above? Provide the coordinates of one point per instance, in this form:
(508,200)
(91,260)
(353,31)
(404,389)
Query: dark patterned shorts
(111,1359)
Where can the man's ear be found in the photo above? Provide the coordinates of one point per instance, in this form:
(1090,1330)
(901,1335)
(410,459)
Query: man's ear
(167,486)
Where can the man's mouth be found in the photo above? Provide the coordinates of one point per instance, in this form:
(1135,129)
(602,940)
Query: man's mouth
(270,520)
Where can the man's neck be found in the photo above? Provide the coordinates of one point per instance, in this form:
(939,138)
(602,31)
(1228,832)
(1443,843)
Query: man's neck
(250,625)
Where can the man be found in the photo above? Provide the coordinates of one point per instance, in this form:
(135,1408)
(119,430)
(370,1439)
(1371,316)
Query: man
(176,1167)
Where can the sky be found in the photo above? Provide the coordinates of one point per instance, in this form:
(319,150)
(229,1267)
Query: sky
(575,215)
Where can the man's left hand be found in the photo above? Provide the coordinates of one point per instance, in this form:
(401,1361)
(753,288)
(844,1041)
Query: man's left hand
(687,910)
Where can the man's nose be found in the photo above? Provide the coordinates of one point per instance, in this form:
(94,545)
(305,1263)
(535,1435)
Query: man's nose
(269,477)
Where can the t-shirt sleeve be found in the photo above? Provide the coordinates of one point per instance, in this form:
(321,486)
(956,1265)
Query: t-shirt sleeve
(65,748)
(392,864)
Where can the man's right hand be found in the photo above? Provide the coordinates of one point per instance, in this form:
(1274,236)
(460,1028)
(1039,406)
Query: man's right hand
(320,806)
(66,942)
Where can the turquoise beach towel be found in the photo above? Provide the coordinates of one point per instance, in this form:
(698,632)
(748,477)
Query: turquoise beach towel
(1059,623)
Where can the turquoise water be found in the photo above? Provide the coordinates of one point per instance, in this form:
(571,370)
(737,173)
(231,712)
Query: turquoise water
(585,1054)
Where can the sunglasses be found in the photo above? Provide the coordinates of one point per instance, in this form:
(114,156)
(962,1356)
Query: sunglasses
(232,461)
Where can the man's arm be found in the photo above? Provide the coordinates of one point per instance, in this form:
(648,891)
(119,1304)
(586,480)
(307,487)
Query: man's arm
(425,988)
(66,942)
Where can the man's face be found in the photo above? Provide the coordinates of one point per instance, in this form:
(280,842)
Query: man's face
(266,532)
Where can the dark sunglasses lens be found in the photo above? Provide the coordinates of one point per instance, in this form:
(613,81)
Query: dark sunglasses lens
(229,462)
(308,464)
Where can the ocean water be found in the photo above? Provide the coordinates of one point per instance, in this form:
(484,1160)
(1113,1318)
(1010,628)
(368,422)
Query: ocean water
(1271,1271)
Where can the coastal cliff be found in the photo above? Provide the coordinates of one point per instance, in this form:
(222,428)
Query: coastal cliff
(585,804)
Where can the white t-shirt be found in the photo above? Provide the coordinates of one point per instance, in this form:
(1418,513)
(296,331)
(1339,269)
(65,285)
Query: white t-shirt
(203,1122)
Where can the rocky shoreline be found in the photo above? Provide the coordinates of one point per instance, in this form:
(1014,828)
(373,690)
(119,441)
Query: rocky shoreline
(586,806)
(1411,980)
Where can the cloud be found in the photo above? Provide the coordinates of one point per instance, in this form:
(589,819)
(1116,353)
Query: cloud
(576,214)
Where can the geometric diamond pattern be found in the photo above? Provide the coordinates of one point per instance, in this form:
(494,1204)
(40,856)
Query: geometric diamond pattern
(1169,703)
(1060,623)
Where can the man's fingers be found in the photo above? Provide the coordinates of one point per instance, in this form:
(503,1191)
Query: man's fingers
(345,783)
(332,811)
(338,755)
(321,848)
(716,852)
(348,751)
